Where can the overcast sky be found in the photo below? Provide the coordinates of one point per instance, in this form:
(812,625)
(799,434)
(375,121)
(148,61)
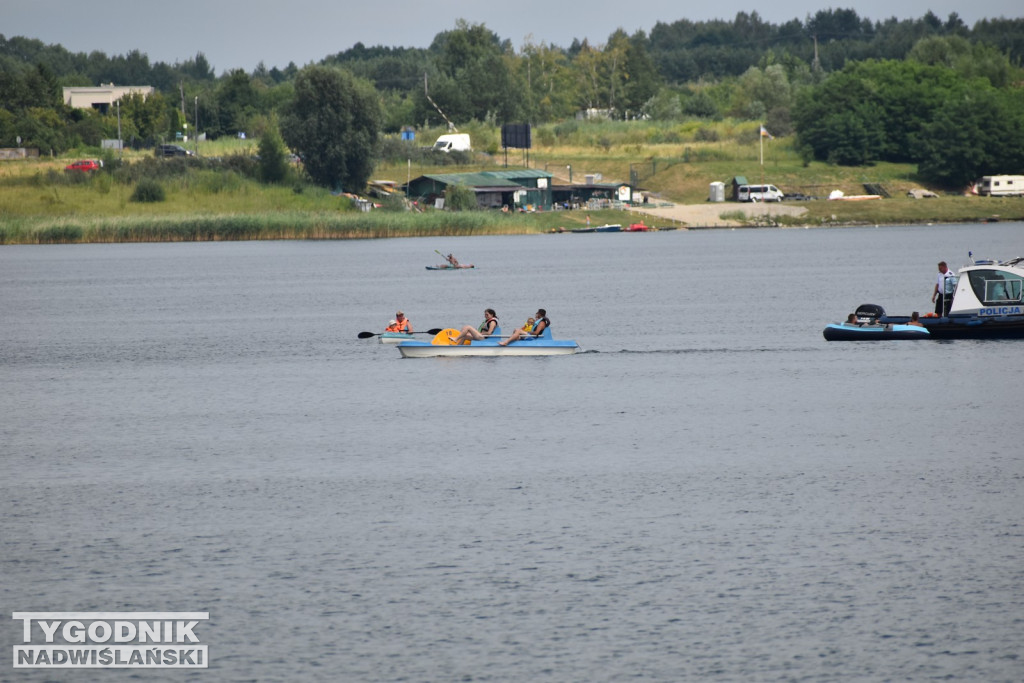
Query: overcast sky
(276,32)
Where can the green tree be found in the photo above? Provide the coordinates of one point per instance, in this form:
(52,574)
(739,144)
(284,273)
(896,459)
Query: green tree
(273,165)
(459,198)
(237,102)
(701,105)
(146,117)
(665,106)
(978,131)
(473,76)
(334,125)
(762,90)
(547,74)
(642,78)
(872,110)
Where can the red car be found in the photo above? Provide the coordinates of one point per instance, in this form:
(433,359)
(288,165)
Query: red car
(85,166)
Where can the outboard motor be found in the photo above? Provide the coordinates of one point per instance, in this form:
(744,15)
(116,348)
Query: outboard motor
(869,313)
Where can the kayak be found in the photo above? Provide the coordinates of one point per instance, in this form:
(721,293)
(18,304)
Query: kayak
(441,346)
(448,266)
(394,337)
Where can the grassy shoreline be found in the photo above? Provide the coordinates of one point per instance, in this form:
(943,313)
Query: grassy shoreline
(323,225)
(42,204)
(383,225)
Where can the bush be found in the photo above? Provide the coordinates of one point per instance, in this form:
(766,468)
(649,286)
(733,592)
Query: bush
(148,190)
(459,198)
(705,134)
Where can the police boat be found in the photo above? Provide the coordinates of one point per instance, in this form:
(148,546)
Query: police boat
(988,303)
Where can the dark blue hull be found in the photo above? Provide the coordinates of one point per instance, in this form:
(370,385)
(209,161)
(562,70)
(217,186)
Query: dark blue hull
(969,327)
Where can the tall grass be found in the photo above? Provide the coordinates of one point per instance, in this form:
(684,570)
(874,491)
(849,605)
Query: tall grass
(264,226)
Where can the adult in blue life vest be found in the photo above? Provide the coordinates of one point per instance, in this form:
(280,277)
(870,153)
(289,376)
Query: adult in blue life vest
(540,324)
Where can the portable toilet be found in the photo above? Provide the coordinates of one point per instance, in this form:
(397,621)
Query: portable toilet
(717,193)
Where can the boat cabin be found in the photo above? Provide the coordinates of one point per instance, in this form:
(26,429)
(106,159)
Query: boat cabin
(987,288)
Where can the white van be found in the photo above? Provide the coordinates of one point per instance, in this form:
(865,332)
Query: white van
(453,142)
(758,193)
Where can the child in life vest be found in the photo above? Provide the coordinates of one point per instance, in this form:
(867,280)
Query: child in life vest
(528,327)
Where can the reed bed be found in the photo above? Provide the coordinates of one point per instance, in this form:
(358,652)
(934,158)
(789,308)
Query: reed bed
(269,226)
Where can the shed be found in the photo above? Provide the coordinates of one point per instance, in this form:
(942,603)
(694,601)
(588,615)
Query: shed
(593,195)
(736,182)
(493,189)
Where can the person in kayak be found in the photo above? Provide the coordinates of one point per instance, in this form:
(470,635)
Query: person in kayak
(485,330)
(399,324)
(540,324)
(452,260)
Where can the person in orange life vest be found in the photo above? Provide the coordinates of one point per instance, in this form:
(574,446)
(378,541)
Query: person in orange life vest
(540,324)
(399,324)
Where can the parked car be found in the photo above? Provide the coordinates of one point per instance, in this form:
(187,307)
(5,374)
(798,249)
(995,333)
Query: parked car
(759,193)
(84,166)
(172,151)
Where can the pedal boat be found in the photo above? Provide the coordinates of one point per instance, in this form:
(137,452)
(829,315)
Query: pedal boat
(441,346)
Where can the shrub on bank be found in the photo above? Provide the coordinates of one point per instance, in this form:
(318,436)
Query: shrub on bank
(148,190)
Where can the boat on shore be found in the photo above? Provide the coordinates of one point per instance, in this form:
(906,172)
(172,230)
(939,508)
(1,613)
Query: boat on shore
(442,346)
(611,227)
(988,303)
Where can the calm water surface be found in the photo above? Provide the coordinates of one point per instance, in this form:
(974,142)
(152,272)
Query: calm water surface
(710,491)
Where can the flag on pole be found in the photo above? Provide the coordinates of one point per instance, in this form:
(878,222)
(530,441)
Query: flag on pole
(766,134)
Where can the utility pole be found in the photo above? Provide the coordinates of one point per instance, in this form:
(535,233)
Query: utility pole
(451,126)
(196,124)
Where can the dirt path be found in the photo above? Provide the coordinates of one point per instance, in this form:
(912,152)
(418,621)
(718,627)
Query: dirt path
(709,214)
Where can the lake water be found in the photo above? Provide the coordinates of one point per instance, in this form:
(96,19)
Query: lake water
(710,491)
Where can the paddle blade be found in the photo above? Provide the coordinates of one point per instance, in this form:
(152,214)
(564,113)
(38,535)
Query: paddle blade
(366,335)
(445,337)
(434,330)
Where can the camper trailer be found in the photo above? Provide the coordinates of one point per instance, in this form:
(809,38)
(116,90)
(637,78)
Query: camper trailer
(1001,185)
(452,142)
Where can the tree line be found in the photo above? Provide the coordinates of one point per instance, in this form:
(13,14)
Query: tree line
(931,91)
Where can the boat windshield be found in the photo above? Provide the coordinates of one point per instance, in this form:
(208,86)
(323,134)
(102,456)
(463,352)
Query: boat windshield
(993,287)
